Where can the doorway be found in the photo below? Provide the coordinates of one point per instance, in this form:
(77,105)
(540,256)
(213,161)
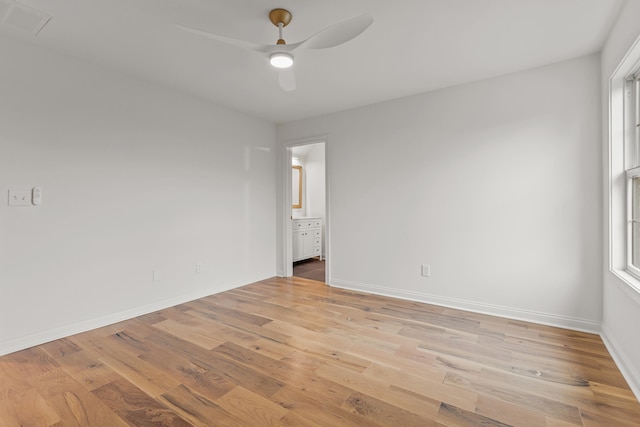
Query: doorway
(308,211)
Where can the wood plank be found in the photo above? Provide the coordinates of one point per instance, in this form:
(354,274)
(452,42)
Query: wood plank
(451,416)
(411,401)
(27,408)
(243,328)
(376,411)
(197,409)
(188,371)
(508,413)
(86,368)
(530,402)
(197,335)
(268,348)
(590,419)
(251,408)
(143,375)
(74,404)
(136,407)
(220,366)
(291,419)
(307,402)
(60,348)
(353,380)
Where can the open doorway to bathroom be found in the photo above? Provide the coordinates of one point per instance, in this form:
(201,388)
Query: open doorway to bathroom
(308,211)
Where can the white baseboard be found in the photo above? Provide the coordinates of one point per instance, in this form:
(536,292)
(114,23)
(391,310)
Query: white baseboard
(572,323)
(622,361)
(21,343)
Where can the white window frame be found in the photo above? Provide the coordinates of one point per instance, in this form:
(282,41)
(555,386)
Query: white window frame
(632,160)
(618,159)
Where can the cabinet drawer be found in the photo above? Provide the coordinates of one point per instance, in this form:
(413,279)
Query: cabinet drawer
(306,223)
(302,224)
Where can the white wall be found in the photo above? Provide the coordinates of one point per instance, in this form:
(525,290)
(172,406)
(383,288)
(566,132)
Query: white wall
(495,184)
(621,302)
(315,166)
(135,178)
(300,160)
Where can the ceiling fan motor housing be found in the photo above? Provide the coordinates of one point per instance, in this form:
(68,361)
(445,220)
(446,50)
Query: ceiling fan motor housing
(277,16)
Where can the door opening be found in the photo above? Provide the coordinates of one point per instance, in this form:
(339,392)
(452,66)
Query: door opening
(308,211)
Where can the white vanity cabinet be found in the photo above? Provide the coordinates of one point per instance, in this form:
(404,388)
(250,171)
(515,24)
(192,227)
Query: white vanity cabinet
(307,238)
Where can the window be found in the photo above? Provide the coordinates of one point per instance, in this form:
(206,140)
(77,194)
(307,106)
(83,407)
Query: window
(632,165)
(623,163)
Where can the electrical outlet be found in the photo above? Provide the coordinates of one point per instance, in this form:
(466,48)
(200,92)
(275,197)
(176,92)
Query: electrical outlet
(156,276)
(19,197)
(198,267)
(426,270)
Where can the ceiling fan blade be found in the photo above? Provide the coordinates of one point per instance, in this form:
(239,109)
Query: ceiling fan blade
(234,42)
(287,79)
(338,33)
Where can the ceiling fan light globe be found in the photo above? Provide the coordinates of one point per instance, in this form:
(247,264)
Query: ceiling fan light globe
(281,59)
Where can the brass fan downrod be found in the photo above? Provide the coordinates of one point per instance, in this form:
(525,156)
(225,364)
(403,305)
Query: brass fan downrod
(280,18)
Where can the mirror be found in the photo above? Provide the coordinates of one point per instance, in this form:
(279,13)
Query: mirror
(296,187)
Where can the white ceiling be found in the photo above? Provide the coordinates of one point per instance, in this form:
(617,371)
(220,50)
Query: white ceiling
(413,46)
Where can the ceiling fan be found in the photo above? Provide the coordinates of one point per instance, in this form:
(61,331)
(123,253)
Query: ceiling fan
(281,54)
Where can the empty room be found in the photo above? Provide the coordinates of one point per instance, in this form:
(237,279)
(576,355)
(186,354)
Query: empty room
(336,213)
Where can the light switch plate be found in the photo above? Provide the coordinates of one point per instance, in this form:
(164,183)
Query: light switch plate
(19,197)
(426,270)
(36,196)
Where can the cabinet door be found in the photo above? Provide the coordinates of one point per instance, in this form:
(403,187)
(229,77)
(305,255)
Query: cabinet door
(307,239)
(298,244)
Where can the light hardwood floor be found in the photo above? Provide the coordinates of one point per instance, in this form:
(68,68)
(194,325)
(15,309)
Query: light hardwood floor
(294,352)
